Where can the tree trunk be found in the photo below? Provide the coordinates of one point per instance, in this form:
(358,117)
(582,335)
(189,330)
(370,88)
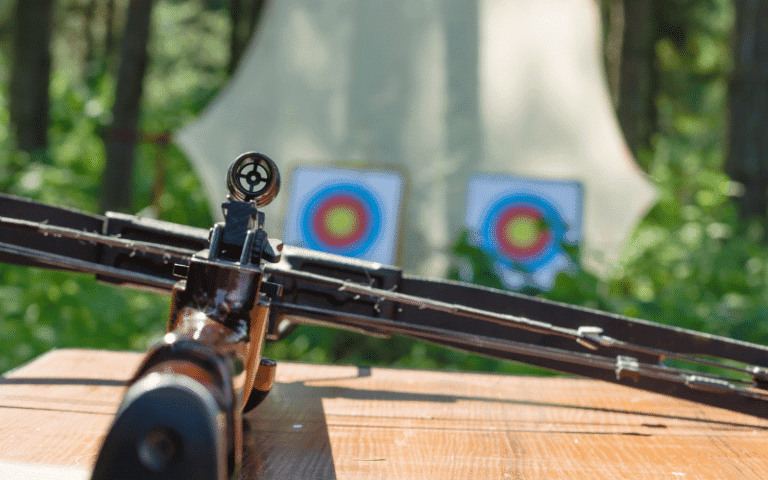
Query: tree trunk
(245,16)
(636,110)
(257,9)
(31,73)
(748,155)
(109,35)
(121,139)
(235,49)
(613,34)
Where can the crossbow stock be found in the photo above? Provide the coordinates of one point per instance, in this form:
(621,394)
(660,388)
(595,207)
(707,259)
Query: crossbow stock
(232,287)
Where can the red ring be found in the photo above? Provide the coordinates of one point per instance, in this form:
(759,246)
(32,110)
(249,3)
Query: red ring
(514,251)
(324,233)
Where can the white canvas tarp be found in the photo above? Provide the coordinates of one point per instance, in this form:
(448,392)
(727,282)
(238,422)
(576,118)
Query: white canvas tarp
(442,89)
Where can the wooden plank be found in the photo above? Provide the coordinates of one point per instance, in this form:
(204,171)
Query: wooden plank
(56,409)
(358,423)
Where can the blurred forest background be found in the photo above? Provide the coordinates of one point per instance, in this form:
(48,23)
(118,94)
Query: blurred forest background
(89,90)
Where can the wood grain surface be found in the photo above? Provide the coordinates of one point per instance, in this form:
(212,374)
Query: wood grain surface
(345,422)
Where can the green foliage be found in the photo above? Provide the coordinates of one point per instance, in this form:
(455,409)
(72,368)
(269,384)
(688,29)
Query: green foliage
(42,309)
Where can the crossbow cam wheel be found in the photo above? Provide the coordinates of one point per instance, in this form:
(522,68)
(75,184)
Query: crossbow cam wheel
(253,176)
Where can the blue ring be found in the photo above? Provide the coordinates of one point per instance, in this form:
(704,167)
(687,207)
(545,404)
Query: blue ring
(367,200)
(550,215)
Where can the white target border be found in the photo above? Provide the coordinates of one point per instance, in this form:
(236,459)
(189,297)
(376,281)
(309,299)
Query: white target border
(386,186)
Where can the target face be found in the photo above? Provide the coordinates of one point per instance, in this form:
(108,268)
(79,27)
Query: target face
(343,219)
(523,229)
(524,224)
(353,213)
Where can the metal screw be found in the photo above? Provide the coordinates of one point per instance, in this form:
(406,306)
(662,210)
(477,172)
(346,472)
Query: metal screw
(157,449)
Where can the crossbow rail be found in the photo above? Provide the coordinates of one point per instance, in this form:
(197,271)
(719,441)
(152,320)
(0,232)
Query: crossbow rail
(375,299)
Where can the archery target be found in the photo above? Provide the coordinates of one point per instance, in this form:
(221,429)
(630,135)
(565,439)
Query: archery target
(347,212)
(341,218)
(524,224)
(523,228)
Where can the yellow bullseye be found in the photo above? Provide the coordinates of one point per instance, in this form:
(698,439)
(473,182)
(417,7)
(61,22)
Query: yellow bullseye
(522,232)
(340,221)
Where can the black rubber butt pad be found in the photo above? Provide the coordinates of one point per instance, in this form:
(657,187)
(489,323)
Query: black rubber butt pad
(168,427)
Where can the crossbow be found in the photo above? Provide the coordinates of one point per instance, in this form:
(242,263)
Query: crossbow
(233,287)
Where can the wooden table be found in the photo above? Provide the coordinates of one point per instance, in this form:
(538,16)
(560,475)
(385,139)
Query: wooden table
(347,422)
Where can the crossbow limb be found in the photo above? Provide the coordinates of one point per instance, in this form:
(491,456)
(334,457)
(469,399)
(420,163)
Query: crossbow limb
(233,287)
